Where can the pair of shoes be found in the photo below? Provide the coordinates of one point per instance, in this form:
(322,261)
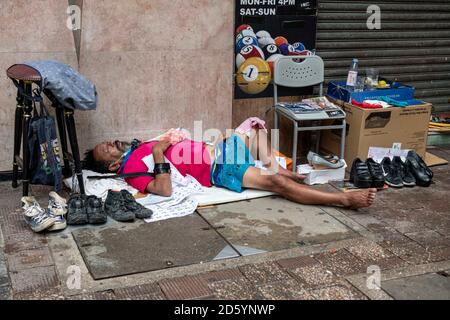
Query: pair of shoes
(366,174)
(51,218)
(397,173)
(85,209)
(331,161)
(121,206)
(421,172)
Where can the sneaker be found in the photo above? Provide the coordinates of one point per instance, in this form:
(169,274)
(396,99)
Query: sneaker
(94,210)
(132,205)
(76,214)
(115,207)
(407,176)
(37,218)
(376,172)
(360,175)
(57,204)
(392,172)
(57,207)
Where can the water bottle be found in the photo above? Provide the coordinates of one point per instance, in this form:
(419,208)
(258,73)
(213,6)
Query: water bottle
(352,75)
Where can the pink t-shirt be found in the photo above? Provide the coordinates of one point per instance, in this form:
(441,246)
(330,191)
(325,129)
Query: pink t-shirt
(189,157)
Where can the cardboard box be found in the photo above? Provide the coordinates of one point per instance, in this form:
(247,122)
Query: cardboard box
(379,128)
(338,90)
(320,176)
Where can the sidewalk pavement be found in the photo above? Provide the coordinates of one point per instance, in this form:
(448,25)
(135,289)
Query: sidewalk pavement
(401,243)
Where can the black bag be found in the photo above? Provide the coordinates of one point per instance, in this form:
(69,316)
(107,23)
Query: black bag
(45,162)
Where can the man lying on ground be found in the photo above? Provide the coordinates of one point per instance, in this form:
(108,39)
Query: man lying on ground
(229,163)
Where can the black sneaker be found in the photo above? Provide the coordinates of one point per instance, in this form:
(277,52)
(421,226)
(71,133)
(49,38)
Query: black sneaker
(94,210)
(376,172)
(419,169)
(139,210)
(360,175)
(115,207)
(392,173)
(407,176)
(76,212)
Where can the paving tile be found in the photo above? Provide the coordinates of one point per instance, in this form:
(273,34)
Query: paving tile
(429,239)
(227,274)
(34,280)
(28,259)
(24,241)
(2,241)
(188,287)
(338,292)
(236,289)
(149,291)
(422,287)
(284,290)
(100,295)
(439,254)
(264,273)
(50,295)
(410,252)
(313,276)
(369,251)
(341,262)
(14,223)
(298,262)
(5,292)
(4,278)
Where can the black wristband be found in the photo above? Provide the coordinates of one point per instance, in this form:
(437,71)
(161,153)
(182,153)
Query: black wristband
(161,168)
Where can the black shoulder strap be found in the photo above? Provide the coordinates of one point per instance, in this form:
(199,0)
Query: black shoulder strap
(123,175)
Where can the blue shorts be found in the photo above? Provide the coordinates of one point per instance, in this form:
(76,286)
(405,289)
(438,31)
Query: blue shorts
(231,162)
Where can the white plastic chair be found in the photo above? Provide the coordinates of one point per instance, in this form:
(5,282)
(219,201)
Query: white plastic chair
(298,72)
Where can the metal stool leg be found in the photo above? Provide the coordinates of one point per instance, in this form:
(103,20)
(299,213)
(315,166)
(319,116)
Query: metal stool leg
(17,140)
(344,133)
(294,148)
(26,151)
(63,138)
(75,149)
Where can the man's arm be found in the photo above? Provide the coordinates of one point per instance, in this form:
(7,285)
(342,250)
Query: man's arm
(162,184)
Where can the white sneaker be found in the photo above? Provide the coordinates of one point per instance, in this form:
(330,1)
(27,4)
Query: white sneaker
(37,218)
(57,206)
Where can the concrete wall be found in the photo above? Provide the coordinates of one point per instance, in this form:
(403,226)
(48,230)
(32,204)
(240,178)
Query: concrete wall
(157,64)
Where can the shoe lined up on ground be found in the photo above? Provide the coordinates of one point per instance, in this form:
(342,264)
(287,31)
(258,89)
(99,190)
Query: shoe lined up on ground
(366,174)
(57,207)
(409,173)
(40,219)
(419,169)
(331,161)
(393,172)
(121,206)
(85,209)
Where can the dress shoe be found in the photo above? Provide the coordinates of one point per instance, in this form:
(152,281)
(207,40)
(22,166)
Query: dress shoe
(419,169)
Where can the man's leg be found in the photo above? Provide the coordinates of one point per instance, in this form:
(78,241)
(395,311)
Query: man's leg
(261,149)
(303,194)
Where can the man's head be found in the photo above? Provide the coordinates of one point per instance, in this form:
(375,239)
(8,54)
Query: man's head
(105,157)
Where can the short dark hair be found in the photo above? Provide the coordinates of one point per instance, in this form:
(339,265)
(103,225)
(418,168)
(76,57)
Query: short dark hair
(89,163)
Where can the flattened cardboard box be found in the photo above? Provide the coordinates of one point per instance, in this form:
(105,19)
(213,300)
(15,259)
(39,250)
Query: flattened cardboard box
(380,128)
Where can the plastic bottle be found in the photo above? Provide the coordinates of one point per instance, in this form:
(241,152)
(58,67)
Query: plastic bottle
(352,75)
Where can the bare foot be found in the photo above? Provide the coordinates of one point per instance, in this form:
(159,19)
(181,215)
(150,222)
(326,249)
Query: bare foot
(359,199)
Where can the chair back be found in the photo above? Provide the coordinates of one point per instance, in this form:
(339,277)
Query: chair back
(298,72)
